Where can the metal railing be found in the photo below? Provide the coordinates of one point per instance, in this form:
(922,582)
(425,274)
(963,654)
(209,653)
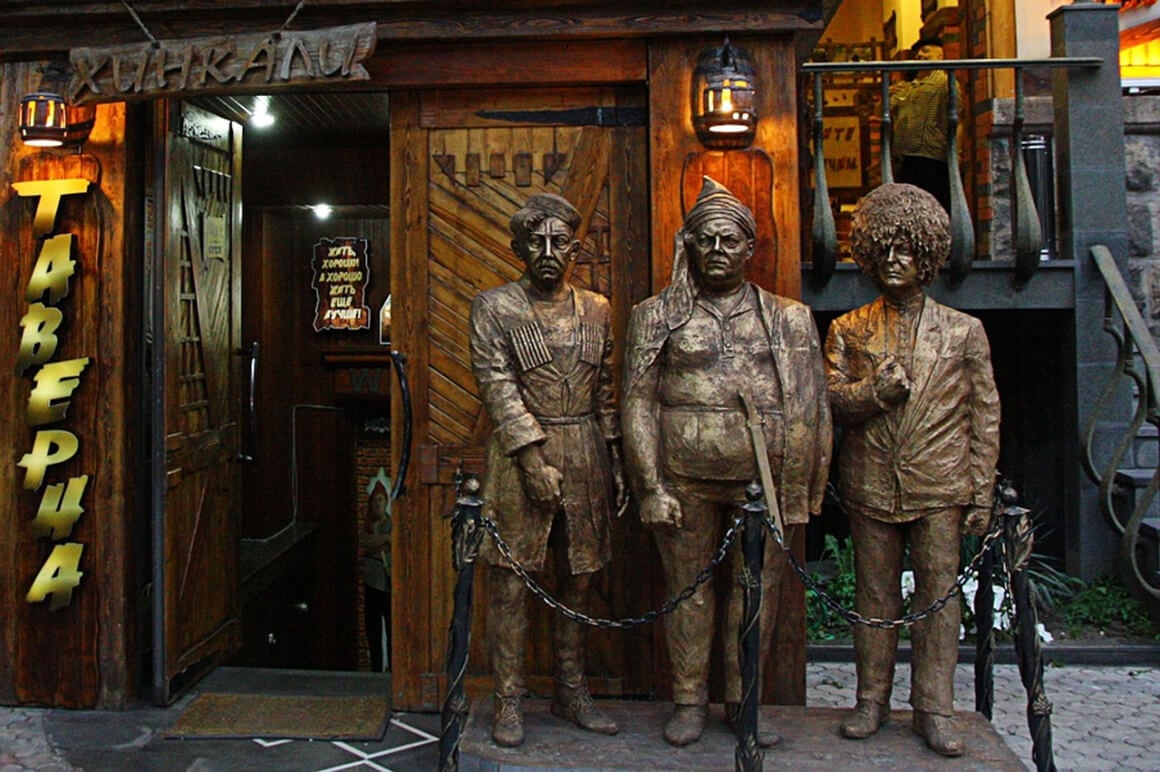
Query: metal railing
(1027,234)
(1135,349)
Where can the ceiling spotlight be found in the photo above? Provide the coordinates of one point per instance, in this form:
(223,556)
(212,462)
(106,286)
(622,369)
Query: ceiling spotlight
(261,117)
(322,211)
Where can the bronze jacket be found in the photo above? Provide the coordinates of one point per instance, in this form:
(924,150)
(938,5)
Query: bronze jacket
(531,397)
(939,447)
(793,341)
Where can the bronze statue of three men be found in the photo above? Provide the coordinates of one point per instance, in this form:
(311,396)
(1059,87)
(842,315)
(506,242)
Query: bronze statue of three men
(908,380)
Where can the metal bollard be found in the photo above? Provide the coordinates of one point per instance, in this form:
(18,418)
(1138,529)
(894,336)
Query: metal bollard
(749,757)
(1018,539)
(985,641)
(466,535)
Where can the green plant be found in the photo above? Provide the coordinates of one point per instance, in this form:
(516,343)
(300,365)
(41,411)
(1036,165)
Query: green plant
(1105,603)
(822,622)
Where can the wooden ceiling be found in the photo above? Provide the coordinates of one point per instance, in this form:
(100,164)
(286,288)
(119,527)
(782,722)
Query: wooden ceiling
(302,117)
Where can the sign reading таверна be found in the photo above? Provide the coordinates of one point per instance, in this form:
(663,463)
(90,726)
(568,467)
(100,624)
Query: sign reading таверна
(49,400)
(341,272)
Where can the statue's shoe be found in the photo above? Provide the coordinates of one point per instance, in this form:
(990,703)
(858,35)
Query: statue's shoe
(507,729)
(865,719)
(576,705)
(939,733)
(686,724)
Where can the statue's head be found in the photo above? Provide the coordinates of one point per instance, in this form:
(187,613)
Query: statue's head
(719,236)
(899,220)
(544,237)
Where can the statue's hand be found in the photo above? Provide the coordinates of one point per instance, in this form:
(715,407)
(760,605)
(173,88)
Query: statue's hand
(976,520)
(891,384)
(621,489)
(660,508)
(541,480)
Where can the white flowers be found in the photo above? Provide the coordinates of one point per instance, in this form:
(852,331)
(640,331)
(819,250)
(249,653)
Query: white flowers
(1002,606)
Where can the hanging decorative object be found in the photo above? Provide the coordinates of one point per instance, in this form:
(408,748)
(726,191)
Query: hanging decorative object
(724,98)
(47,120)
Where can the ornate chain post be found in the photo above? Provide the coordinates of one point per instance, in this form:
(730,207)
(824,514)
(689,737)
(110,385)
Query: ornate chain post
(1018,539)
(985,630)
(466,535)
(749,757)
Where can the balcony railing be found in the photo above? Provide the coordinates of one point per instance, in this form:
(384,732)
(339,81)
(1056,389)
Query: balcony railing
(1028,237)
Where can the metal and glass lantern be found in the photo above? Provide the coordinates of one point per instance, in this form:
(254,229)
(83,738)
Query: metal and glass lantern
(724,97)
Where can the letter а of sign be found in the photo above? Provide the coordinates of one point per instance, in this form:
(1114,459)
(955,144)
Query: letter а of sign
(58,576)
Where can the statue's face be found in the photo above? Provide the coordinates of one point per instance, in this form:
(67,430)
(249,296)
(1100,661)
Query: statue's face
(719,250)
(549,247)
(899,271)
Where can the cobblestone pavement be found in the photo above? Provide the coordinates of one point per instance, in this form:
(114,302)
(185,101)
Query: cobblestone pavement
(1104,717)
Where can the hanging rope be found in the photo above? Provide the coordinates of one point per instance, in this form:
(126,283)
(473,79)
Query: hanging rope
(290,18)
(154,41)
(157,44)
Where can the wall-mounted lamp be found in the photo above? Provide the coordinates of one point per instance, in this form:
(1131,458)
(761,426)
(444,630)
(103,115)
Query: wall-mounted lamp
(723,98)
(46,120)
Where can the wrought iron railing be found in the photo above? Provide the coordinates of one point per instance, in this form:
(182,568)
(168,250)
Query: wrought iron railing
(1027,234)
(1137,363)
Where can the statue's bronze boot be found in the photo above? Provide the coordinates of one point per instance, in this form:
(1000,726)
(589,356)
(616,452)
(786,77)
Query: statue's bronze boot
(507,728)
(766,738)
(939,733)
(574,703)
(686,724)
(865,719)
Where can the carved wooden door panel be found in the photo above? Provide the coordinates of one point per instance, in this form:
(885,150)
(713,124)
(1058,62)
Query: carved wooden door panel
(464,163)
(196,546)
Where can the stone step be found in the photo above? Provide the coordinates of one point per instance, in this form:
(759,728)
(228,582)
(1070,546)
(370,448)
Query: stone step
(1136,480)
(811,742)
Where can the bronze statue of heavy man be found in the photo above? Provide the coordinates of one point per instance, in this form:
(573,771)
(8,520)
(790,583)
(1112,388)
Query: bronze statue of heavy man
(697,352)
(910,383)
(541,352)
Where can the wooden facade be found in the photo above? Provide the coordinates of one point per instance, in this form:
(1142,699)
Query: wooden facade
(467,139)
(201,519)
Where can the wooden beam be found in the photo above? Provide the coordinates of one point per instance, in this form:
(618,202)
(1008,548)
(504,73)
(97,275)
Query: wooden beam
(41,29)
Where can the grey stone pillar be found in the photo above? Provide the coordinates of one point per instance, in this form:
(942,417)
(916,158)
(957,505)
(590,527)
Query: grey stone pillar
(1089,144)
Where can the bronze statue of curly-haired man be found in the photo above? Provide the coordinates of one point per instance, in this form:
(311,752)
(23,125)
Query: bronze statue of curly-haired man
(910,381)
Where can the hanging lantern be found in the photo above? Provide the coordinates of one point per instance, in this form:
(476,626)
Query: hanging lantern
(46,120)
(43,119)
(723,98)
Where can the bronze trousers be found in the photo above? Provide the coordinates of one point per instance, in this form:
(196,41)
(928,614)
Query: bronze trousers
(934,553)
(507,623)
(707,508)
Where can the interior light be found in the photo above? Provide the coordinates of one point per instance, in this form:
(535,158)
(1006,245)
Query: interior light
(261,117)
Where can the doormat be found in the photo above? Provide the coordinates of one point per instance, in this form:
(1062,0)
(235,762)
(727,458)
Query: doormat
(219,716)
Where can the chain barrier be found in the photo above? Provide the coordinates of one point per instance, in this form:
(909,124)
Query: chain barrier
(853,617)
(614,624)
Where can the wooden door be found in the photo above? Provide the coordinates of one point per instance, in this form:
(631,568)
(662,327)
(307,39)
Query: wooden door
(462,164)
(195,471)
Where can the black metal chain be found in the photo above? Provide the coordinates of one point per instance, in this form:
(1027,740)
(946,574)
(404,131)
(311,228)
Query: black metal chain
(614,624)
(853,617)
